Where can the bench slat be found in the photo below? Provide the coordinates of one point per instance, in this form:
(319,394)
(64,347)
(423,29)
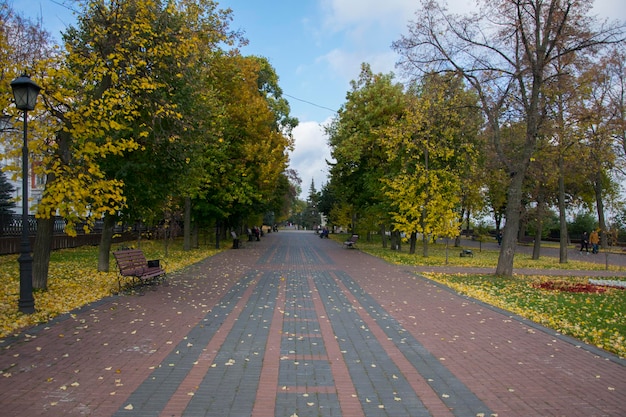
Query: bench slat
(350,243)
(133,263)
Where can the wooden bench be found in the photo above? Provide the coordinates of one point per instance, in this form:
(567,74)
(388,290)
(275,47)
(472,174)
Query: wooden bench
(351,243)
(466,253)
(132,263)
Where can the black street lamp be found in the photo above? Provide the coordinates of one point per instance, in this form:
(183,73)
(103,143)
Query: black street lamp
(25,92)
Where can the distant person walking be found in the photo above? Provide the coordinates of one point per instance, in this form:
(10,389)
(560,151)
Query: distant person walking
(584,242)
(594,240)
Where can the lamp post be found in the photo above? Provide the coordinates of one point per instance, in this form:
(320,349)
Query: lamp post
(25,92)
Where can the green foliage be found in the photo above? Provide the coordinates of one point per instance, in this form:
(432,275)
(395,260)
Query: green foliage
(373,102)
(311,216)
(144,91)
(550,221)
(597,319)
(583,222)
(434,147)
(6,195)
(245,163)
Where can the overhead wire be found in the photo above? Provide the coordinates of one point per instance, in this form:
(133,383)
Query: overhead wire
(311,103)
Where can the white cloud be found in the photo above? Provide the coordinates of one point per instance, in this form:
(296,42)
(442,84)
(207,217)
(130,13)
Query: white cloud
(310,155)
(343,64)
(609,9)
(341,14)
(347,65)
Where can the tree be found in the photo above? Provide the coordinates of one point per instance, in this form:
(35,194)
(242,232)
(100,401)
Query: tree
(244,165)
(496,180)
(541,188)
(144,60)
(505,52)
(433,144)
(26,47)
(616,67)
(372,103)
(311,217)
(616,70)
(7,204)
(278,208)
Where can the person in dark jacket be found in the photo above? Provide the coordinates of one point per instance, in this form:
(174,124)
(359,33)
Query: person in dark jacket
(584,242)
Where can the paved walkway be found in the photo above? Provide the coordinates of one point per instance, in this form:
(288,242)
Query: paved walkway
(298,326)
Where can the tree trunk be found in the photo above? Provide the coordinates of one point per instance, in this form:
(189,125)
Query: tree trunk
(139,226)
(457,239)
(106,240)
(563,239)
(396,241)
(509,238)
(166,239)
(425,245)
(41,253)
(187,225)
(539,231)
(195,243)
(604,242)
(498,220)
(523,223)
(537,242)
(383,236)
(413,243)
(217,234)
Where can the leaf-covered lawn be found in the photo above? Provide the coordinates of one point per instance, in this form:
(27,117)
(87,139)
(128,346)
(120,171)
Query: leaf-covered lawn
(596,318)
(74,281)
(482,258)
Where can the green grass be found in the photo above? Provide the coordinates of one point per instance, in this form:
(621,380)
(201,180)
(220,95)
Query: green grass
(595,318)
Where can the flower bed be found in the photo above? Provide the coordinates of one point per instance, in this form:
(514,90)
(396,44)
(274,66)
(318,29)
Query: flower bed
(570,287)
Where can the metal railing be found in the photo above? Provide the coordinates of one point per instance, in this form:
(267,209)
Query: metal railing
(11,232)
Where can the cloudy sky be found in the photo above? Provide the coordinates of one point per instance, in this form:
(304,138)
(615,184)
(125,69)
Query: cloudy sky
(316,47)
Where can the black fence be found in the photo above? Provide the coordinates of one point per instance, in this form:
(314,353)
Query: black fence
(11,234)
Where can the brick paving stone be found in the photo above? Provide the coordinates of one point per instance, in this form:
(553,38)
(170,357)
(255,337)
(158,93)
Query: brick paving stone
(295,325)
